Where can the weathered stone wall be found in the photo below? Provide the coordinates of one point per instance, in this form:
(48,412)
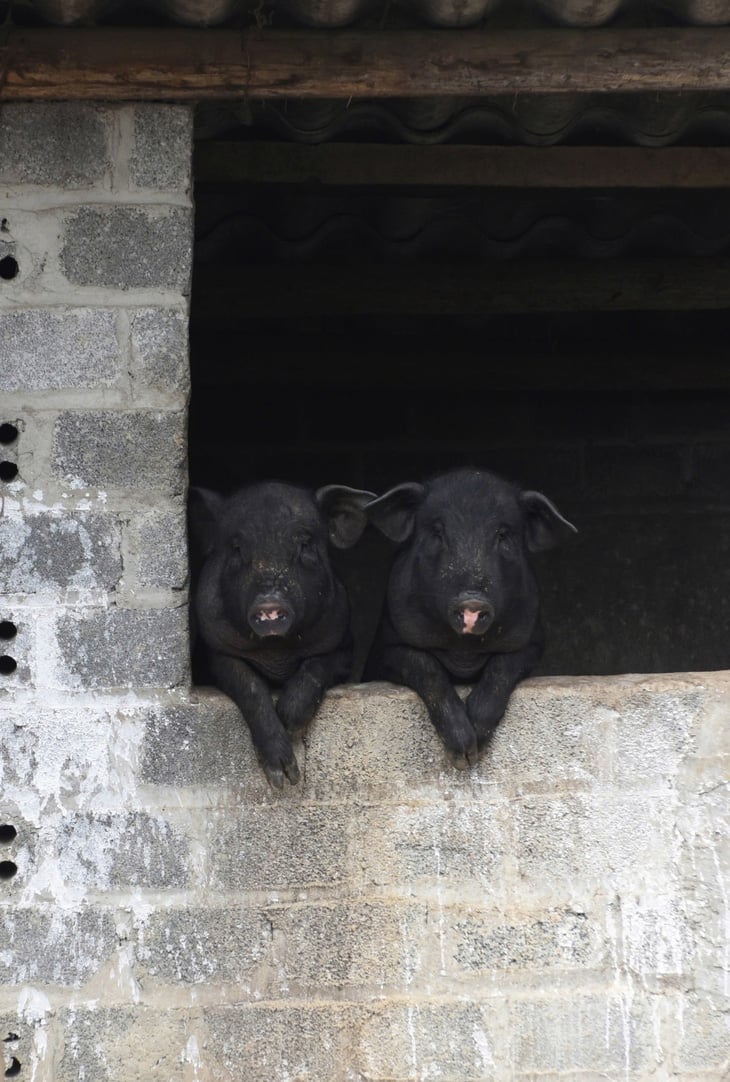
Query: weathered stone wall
(560,911)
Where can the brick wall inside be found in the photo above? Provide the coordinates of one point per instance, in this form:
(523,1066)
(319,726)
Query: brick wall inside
(560,911)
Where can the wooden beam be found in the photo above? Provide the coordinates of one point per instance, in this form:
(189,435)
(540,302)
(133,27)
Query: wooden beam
(611,285)
(357,164)
(123,64)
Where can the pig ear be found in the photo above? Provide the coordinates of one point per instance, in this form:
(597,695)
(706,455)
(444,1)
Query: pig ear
(394,512)
(545,527)
(204,510)
(343,508)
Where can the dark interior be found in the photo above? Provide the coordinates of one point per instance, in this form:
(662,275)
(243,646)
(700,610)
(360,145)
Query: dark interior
(338,335)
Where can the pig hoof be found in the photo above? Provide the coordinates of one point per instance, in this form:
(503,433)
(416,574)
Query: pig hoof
(275,776)
(292,771)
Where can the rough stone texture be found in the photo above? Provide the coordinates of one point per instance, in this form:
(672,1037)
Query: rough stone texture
(128,248)
(60,144)
(42,349)
(143,450)
(123,648)
(105,851)
(46,945)
(48,553)
(159,539)
(390,918)
(160,347)
(160,158)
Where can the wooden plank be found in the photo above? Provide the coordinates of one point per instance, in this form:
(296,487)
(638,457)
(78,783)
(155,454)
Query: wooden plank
(612,285)
(357,164)
(124,64)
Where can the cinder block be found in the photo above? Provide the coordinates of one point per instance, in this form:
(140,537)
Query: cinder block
(128,247)
(555,939)
(71,756)
(52,945)
(159,539)
(197,945)
(124,1044)
(345,756)
(44,349)
(131,449)
(123,648)
(56,145)
(203,742)
(160,348)
(367,947)
(655,731)
(565,848)
(55,552)
(19,848)
(704,1033)
(583,1032)
(456,1042)
(163,141)
(267,1043)
(21,646)
(655,934)
(284,845)
(112,852)
(551,735)
(454,847)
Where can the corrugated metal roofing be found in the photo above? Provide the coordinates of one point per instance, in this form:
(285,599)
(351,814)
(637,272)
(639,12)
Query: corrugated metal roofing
(328,13)
(534,120)
(283,227)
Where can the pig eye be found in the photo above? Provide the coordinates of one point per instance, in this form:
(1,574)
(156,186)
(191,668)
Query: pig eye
(307,547)
(504,535)
(238,550)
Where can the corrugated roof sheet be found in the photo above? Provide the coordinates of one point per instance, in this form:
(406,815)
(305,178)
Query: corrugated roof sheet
(285,227)
(534,120)
(329,13)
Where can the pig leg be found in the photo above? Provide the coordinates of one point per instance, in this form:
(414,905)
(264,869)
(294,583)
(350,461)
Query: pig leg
(488,699)
(301,695)
(426,675)
(251,694)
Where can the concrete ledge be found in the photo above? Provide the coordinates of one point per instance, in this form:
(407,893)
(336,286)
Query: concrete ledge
(551,913)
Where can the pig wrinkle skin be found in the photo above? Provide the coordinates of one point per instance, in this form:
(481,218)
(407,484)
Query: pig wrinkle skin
(462,604)
(267,608)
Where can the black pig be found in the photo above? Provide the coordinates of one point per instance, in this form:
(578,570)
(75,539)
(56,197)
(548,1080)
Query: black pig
(462,603)
(268,607)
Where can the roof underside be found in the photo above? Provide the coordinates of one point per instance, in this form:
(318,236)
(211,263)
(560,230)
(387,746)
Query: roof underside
(332,13)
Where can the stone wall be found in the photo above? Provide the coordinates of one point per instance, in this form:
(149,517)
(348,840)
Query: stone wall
(560,911)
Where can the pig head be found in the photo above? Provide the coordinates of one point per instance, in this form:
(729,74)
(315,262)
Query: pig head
(267,607)
(462,602)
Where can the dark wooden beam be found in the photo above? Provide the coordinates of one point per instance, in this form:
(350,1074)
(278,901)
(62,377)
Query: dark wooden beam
(610,285)
(356,164)
(122,64)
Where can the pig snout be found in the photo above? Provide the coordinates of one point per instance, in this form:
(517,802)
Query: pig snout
(270,614)
(471,614)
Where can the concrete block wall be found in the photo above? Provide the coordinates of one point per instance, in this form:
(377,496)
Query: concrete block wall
(561,911)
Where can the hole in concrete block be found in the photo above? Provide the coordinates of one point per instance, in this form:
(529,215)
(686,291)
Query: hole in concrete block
(8,869)
(8,665)
(8,833)
(8,630)
(8,432)
(8,267)
(8,471)
(14,1069)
